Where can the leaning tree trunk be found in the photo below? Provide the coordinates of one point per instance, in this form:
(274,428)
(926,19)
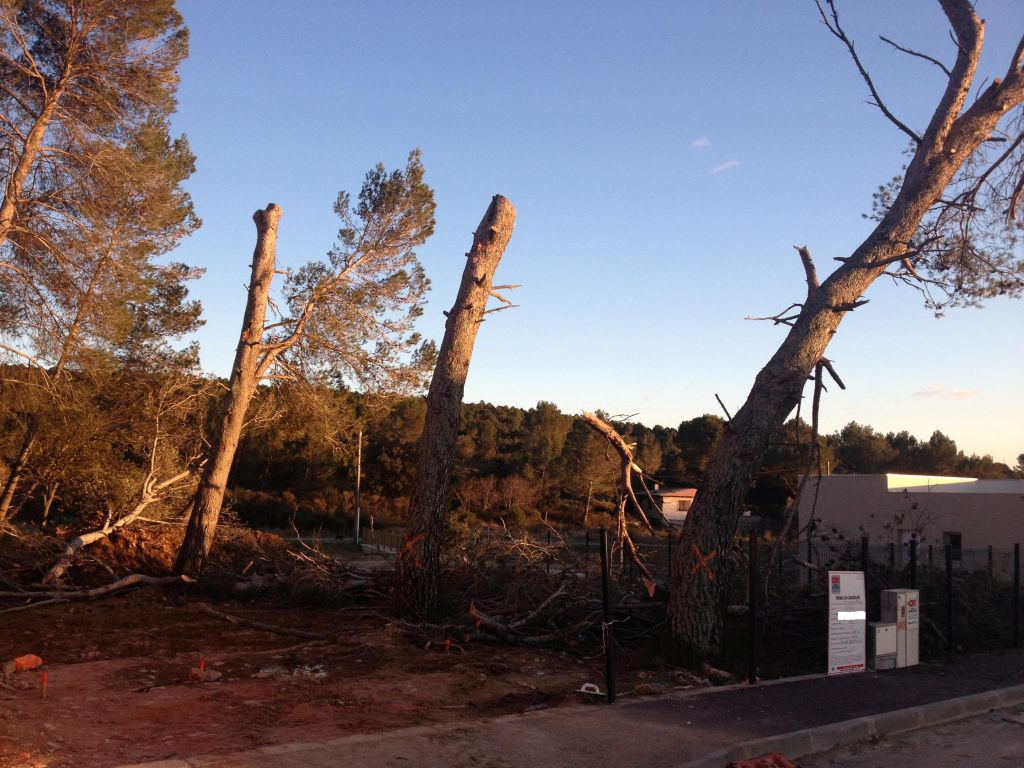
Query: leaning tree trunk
(202,523)
(18,469)
(700,568)
(419,560)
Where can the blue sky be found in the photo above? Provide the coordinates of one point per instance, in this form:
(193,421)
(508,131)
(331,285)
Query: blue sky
(664,157)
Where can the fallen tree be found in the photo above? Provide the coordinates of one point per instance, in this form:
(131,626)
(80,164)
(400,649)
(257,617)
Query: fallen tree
(152,492)
(65,595)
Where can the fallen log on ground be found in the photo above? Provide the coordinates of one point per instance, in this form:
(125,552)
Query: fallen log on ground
(67,595)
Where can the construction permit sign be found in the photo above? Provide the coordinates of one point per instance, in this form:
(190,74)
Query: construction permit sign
(847,622)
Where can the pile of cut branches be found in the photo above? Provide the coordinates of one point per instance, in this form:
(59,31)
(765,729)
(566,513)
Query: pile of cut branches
(519,590)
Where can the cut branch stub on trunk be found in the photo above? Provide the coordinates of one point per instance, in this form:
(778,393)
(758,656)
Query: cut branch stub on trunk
(419,559)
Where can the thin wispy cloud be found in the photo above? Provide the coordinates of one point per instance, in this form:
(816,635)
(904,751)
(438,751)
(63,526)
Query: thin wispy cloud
(944,394)
(964,394)
(728,165)
(701,142)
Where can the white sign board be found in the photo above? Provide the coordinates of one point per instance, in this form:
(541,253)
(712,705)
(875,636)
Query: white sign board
(847,622)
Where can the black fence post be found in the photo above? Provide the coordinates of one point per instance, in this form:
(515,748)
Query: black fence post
(669,569)
(990,570)
(752,645)
(607,634)
(586,553)
(1016,595)
(913,563)
(810,559)
(864,557)
(892,555)
(931,563)
(949,601)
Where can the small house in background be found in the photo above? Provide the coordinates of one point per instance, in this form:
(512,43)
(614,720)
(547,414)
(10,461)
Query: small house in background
(670,505)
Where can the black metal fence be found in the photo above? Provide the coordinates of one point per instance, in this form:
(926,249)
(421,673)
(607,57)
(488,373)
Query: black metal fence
(970,599)
(777,612)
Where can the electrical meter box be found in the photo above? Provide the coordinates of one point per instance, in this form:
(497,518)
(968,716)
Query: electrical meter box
(881,646)
(902,607)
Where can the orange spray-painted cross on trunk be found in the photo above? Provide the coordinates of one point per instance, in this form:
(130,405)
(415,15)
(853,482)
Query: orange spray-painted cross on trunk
(703,561)
(408,548)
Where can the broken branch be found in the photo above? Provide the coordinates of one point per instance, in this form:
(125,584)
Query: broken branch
(240,622)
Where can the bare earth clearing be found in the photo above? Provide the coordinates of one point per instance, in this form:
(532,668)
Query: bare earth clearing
(119,692)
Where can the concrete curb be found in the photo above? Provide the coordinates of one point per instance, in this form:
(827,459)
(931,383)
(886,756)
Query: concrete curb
(826,737)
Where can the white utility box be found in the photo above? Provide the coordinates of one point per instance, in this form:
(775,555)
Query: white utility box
(881,646)
(902,607)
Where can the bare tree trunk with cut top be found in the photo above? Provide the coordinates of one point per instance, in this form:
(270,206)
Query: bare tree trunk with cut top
(954,134)
(245,376)
(419,559)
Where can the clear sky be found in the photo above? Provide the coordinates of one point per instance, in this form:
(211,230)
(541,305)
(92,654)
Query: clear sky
(664,157)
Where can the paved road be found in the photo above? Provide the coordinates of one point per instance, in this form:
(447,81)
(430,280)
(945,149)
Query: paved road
(987,740)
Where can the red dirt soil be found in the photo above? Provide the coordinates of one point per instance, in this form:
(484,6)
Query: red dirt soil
(119,692)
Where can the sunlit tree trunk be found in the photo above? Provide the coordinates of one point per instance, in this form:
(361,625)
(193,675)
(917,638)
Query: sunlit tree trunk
(419,560)
(245,374)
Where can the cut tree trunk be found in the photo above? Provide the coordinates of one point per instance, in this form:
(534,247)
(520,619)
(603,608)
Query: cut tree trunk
(245,374)
(700,571)
(419,559)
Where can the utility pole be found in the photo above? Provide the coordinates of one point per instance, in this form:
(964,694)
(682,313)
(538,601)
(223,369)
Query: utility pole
(359,477)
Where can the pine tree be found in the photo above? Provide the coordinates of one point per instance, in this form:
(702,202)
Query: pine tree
(351,315)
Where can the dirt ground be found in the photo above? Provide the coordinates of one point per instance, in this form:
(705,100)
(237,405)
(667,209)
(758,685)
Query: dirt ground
(118,688)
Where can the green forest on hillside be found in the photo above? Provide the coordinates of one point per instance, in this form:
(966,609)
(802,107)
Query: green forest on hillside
(298,460)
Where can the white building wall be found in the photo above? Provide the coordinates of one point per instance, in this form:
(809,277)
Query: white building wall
(887,508)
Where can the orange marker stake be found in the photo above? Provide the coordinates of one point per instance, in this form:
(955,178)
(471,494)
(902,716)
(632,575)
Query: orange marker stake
(202,665)
(447,646)
(43,680)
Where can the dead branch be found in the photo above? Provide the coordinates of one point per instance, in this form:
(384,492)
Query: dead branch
(819,386)
(832,372)
(152,491)
(781,318)
(250,624)
(833,26)
(627,466)
(507,632)
(805,564)
(849,306)
(918,54)
(809,271)
(63,596)
(728,415)
(626,461)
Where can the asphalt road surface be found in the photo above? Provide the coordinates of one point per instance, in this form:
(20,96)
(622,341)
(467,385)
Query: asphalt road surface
(993,740)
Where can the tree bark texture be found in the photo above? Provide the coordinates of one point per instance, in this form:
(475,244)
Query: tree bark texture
(700,568)
(419,559)
(202,523)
